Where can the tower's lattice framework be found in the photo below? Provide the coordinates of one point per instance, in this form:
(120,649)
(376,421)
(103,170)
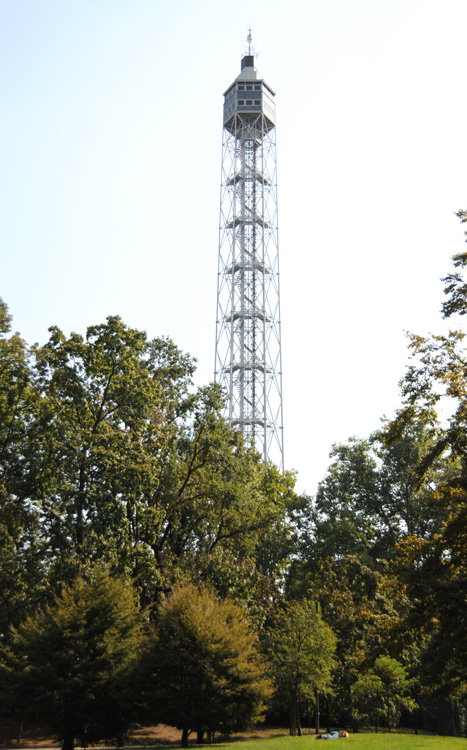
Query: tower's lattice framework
(248,338)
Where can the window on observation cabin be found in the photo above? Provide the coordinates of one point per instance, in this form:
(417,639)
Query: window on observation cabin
(240,102)
(241,87)
(249,102)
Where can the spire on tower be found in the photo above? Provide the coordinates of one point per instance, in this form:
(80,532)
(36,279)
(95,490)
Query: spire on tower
(249,47)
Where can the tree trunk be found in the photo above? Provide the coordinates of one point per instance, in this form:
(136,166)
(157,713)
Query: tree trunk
(68,741)
(293,715)
(199,736)
(185,734)
(317,719)
(455,718)
(328,715)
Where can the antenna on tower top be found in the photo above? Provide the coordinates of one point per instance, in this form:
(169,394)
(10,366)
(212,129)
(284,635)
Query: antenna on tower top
(249,48)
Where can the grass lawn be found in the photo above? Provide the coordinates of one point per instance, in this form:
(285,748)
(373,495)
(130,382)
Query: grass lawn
(162,737)
(361,740)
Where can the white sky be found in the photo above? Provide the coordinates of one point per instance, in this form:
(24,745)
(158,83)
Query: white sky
(110,153)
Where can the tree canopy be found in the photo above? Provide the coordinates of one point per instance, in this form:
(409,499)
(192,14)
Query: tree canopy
(382,692)
(301,649)
(111,455)
(206,671)
(71,665)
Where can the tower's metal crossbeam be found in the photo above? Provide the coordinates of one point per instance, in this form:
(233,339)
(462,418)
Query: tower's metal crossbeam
(248,337)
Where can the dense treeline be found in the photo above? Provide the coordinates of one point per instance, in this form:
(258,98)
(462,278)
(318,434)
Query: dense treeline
(109,455)
(144,547)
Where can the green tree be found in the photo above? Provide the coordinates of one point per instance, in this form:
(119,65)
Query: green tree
(205,669)
(102,435)
(433,566)
(20,548)
(456,287)
(110,455)
(371,499)
(372,496)
(383,692)
(302,654)
(126,463)
(71,666)
(368,699)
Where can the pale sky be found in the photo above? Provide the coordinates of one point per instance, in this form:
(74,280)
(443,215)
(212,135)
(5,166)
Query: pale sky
(110,157)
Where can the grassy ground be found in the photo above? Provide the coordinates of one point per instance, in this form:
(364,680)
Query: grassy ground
(161,736)
(361,740)
(279,739)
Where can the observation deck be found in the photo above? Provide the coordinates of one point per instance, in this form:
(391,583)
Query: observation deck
(249,96)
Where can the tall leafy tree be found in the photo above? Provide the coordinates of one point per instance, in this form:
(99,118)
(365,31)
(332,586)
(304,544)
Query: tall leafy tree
(302,654)
(371,499)
(205,672)
(434,566)
(109,407)
(20,549)
(71,665)
(382,693)
(368,699)
(372,495)
(127,463)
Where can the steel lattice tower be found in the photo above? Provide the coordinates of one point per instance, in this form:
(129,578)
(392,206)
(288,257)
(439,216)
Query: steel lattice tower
(248,335)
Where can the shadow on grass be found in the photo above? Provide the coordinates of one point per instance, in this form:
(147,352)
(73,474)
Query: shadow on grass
(13,735)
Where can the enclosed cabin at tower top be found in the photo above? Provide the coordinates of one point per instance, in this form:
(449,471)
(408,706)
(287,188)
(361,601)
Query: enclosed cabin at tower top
(249,96)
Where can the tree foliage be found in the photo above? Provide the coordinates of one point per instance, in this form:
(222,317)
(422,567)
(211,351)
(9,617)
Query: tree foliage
(20,547)
(206,672)
(71,665)
(433,566)
(301,651)
(369,502)
(111,455)
(382,692)
(456,287)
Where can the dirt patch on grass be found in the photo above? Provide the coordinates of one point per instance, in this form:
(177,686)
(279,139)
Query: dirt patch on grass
(165,735)
(13,735)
